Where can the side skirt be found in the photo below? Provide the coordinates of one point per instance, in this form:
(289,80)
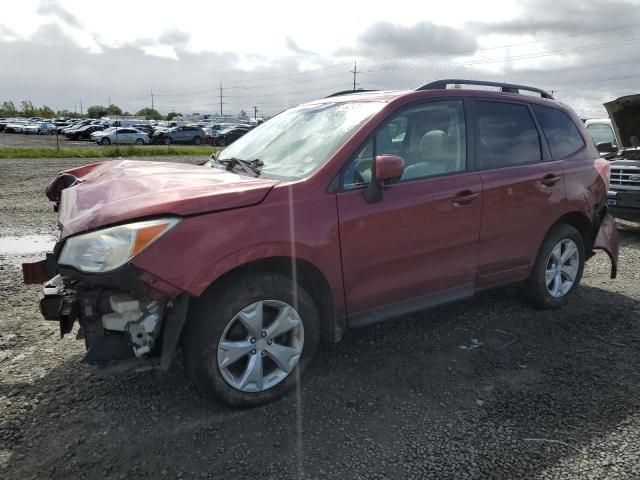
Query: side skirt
(413,305)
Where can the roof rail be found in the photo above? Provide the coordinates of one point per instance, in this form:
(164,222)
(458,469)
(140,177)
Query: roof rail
(504,87)
(347,92)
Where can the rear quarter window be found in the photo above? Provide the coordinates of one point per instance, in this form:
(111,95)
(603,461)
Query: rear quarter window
(562,134)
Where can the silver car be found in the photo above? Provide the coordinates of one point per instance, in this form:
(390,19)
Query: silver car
(120,135)
(41,128)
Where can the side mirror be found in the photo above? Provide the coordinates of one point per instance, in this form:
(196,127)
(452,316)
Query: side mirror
(606,147)
(385,169)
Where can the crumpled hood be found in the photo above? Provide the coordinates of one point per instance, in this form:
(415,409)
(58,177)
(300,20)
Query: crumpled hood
(624,113)
(111,192)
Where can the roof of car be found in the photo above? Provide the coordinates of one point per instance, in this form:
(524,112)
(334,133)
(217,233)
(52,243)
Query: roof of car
(505,89)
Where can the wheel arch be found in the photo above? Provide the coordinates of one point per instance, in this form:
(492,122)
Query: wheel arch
(583,224)
(587,227)
(309,276)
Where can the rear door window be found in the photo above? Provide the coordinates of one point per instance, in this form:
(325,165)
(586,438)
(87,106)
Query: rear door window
(562,134)
(507,135)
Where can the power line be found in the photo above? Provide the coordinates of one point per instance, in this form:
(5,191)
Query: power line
(510,45)
(407,57)
(596,46)
(435,66)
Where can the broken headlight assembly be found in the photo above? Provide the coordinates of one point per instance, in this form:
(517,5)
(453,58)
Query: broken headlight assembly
(109,248)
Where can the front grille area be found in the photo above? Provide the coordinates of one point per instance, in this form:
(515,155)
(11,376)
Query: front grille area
(625,178)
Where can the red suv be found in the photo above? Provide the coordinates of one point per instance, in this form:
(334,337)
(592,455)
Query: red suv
(337,213)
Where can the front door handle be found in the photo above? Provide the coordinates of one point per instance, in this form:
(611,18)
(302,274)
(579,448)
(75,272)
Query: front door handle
(550,179)
(464,198)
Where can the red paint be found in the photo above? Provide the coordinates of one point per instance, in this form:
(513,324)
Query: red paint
(388,167)
(459,232)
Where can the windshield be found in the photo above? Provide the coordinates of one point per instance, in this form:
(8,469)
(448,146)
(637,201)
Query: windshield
(601,132)
(296,142)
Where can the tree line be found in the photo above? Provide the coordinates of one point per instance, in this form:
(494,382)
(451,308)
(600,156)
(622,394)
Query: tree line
(28,109)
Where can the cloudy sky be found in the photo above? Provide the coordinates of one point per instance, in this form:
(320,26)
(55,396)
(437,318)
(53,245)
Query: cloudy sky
(279,53)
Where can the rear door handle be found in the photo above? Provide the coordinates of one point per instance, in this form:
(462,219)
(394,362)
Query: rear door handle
(550,179)
(464,198)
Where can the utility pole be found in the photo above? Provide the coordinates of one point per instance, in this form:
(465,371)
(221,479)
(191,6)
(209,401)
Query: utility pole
(109,102)
(80,107)
(255,112)
(152,100)
(355,74)
(220,98)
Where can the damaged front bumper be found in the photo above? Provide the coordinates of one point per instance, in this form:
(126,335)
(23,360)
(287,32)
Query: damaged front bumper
(120,317)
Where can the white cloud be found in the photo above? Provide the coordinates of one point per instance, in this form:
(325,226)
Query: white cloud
(274,57)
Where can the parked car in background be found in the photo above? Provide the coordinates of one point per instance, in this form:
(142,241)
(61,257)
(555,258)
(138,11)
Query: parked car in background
(145,127)
(120,135)
(320,220)
(40,128)
(624,186)
(74,126)
(84,132)
(125,122)
(185,134)
(229,135)
(601,130)
(15,126)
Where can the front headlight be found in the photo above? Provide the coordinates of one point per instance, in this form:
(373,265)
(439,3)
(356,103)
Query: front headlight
(110,248)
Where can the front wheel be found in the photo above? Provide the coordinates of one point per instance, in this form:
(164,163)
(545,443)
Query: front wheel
(558,268)
(105,141)
(197,140)
(247,341)
(167,140)
(139,141)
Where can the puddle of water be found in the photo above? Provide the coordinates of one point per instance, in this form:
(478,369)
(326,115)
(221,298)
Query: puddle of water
(26,244)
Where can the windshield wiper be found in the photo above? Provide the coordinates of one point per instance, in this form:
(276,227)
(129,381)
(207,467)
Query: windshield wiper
(252,167)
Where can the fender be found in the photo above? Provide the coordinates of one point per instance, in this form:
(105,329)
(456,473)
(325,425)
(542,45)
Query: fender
(608,239)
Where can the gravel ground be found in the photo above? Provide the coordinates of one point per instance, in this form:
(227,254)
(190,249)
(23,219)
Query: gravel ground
(486,388)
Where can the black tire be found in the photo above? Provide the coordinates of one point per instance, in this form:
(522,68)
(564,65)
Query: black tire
(197,140)
(535,289)
(105,141)
(208,318)
(167,140)
(139,141)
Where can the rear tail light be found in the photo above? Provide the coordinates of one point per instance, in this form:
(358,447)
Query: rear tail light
(604,169)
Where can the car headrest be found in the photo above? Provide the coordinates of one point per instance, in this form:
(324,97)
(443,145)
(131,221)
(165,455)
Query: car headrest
(432,144)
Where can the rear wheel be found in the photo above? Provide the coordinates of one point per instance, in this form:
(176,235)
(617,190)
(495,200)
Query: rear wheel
(247,341)
(139,141)
(105,141)
(558,268)
(197,140)
(167,140)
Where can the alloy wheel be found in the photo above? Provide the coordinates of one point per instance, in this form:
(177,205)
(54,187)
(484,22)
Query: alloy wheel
(562,268)
(260,346)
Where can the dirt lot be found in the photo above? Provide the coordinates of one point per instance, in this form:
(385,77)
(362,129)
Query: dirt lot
(486,388)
